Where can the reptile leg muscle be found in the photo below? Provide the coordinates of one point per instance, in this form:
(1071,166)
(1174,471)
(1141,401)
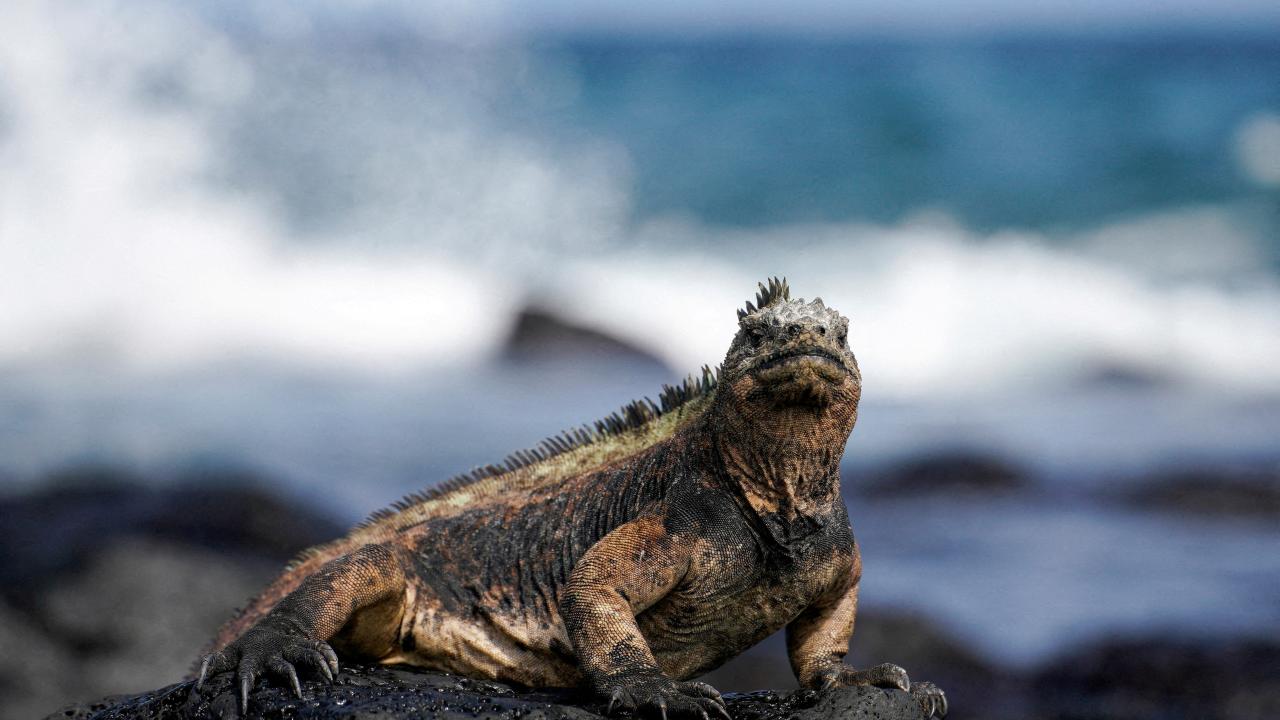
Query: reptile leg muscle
(623,574)
(818,640)
(329,605)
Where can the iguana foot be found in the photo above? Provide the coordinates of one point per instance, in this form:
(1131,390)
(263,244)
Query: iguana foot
(931,698)
(663,698)
(887,675)
(884,675)
(264,650)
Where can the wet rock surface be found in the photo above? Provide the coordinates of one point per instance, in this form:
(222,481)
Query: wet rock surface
(396,692)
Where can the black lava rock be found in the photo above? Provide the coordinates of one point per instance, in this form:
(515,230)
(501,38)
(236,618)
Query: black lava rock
(394,693)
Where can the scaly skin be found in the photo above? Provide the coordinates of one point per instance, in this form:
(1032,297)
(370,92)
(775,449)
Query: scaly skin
(631,558)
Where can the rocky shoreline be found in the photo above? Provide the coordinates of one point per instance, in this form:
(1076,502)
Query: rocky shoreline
(110,585)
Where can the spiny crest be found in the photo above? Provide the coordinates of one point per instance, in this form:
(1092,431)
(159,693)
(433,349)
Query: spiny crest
(767,295)
(791,311)
(631,416)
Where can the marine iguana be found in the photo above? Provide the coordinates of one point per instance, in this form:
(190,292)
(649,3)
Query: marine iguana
(629,556)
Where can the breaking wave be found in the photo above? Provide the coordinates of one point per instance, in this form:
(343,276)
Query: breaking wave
(142,227)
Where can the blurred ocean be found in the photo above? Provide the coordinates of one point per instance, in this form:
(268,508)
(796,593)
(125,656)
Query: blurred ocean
(297,244)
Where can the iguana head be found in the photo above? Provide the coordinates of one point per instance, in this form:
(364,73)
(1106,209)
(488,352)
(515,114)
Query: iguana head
(792,358)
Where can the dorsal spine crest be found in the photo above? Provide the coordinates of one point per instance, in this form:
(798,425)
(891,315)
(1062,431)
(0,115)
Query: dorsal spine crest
(632,416)
(776,291)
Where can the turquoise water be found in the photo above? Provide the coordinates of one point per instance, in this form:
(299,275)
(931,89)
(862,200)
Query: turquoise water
(1034,132)
(1053,134)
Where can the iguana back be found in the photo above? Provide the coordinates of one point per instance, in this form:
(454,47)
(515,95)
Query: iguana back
(552,466)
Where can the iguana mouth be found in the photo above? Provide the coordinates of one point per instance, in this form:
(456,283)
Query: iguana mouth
(801,377)
(812,354)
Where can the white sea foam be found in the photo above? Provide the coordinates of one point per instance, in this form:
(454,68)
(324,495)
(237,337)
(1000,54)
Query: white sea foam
(112,247)
(938,310)
(115,246)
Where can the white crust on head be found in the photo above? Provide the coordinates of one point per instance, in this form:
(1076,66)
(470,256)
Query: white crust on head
(793,311)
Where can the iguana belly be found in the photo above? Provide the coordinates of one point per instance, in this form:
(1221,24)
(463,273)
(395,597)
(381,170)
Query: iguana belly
(488,643)
(687,641)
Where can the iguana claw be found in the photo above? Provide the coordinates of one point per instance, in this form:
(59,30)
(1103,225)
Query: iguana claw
(613,701)
(283,668)
(664,699)
(246,684)
(267,650)
(212,664)
(931,698)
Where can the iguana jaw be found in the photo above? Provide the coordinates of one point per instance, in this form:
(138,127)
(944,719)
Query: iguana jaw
(804,379)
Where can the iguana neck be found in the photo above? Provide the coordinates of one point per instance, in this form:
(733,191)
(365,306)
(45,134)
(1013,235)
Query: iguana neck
(787,466)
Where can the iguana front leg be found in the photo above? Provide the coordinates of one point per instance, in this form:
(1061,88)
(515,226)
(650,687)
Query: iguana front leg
(818,640)
(364,590)
(623,574)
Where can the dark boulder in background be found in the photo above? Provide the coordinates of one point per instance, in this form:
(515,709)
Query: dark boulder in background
(1160,678)
(941,474)
(540,335)
(112,584)
(928,652)
(79,511)
(1235,494)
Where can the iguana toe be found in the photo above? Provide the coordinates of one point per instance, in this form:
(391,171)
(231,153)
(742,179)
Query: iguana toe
(284,669)
(884,675)
(213,664)
(273,651)
(888,675)
(331,656)
(931,698)
(247,679)
(315,657)
(656,702)
(700,689)
(679,701)
(664,699)
(619,700)
(706,696)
